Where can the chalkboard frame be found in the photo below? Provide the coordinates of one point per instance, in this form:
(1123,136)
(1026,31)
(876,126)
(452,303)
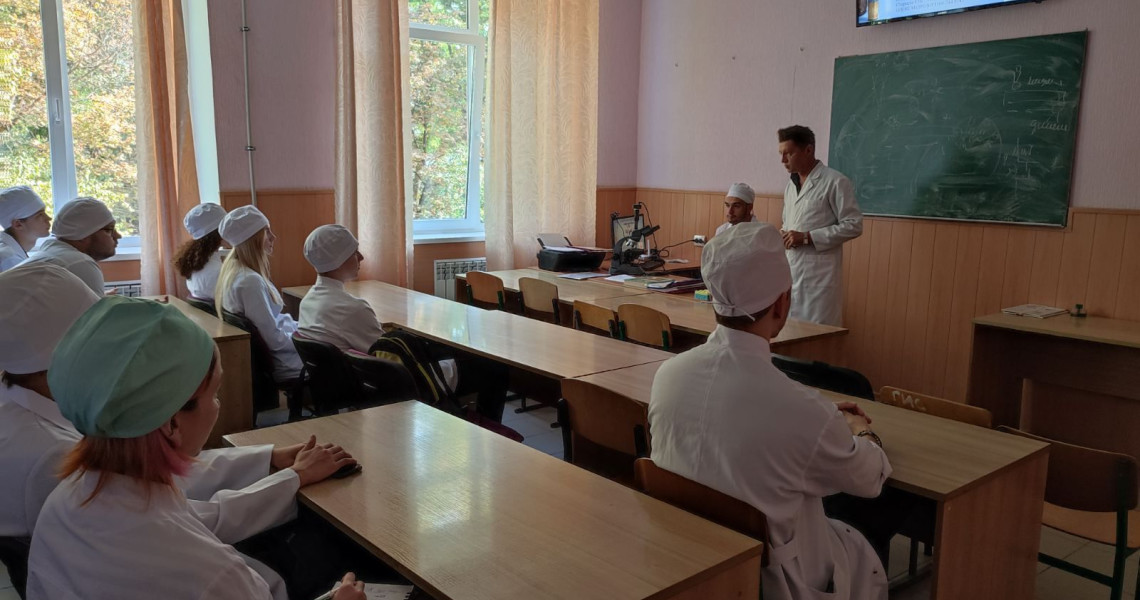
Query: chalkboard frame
(871,153)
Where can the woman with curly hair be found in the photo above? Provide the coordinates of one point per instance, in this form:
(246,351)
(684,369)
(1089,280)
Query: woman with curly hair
(200,259)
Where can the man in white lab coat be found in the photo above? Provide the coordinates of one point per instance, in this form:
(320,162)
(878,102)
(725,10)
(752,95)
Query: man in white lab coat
(721,414)
(820,213)
(83,234)
(737,206)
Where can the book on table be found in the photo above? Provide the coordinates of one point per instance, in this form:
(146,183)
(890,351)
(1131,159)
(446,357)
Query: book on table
(1038,311)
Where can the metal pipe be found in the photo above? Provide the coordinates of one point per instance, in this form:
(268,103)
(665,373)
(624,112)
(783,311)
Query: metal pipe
(249,147)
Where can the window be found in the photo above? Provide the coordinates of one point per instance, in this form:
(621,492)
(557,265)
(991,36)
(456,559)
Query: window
(448,62)
(67,104)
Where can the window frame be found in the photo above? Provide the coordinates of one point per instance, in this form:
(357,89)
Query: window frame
(472,225)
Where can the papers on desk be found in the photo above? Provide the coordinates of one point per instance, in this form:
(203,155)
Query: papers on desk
(380,591)
(619,278)
(1034,310)
(580,276)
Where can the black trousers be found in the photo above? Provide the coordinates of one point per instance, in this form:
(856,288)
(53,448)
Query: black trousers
(878,519)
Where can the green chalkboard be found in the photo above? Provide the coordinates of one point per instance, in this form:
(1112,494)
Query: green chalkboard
(979,132)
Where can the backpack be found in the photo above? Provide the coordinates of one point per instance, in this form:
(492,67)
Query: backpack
(412,352)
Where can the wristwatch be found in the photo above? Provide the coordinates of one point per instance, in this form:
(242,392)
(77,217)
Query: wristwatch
(807,238)
(871,434)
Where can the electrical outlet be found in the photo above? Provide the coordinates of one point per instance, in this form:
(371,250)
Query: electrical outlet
(699,240)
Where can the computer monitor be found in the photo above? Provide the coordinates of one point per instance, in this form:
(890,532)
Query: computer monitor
(622,227)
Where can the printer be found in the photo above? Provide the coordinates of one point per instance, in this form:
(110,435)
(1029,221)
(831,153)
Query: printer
(556,253)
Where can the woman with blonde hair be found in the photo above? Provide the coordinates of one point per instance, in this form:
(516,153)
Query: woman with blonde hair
(139,380)
(200,259)
(244,287)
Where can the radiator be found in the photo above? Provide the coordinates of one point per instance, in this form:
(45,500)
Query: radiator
(446,270)
(130,289)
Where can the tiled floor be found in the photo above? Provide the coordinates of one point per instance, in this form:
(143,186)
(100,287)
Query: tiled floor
(1052,584)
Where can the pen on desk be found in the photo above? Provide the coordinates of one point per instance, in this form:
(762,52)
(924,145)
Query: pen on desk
(328,595)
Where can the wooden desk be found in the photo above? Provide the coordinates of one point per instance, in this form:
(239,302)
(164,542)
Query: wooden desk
(989,489)
(236,392)
(1071,379)
(465,513)
(542,348)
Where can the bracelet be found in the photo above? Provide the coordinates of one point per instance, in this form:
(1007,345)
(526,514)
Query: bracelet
(871,434)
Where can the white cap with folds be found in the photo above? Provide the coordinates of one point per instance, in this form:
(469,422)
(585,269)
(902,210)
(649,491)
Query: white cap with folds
(38,303)
(204,219)
(745,269)
(80,218)
(18,202)
(241,223)
(742,192)
(328,246)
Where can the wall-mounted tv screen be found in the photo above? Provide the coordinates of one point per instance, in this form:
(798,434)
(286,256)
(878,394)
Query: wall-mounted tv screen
(877,12)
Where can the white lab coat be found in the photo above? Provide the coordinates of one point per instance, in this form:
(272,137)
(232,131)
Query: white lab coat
(65,255)
(723,415)
(230,489)
(11,252)
(123,545)
(203,282)
(249,296)
(330,314)
(724,226)
(824,206)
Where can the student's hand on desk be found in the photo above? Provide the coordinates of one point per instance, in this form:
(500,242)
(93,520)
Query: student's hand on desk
(857,423)
(852,408)
(350,588)
(284,456)
(316,462)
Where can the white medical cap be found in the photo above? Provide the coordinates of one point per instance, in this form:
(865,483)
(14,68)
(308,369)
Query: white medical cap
(745,269)
(204,219)
(241,223)
(328,246)
(18,202)
(742,192)
(80,218)
(38,303)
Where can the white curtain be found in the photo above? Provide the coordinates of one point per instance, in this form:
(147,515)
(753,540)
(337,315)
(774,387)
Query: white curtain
(543,133)
(373,117)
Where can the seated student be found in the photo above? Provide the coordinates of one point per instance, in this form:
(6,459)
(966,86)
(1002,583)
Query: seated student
(737,207)
(244,287)
(139,380)
(200,260)
(84,232)
(721,414)
(330,314)
(23,220)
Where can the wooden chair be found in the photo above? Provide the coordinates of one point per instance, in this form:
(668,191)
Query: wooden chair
(938,407)
(1091,494)
(644,325)
(486,291)
(822,375)
(602,431)
(595,319)
(539,299)
(703,501)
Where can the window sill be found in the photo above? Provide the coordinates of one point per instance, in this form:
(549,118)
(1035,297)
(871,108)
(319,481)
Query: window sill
(128,253)
(449,237)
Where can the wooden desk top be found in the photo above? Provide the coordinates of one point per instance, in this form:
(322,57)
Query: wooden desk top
(465,513)
(543,348)
(932,457)
(1090,329)
(217,328)
(569,290)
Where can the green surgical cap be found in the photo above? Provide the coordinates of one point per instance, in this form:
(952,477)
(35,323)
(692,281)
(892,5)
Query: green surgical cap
(128,365)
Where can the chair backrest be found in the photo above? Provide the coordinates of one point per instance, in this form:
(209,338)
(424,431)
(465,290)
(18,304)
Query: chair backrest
(383,381)
(539,298)
(202,305)
(594,318)
(333,384)
(1082,478)
(824,376)
(14,554)
(938,407)
(644,325)
(602,431)
(703,501)
(265,395)
(485,291)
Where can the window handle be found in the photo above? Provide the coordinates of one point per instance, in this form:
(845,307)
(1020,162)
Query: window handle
(58,105)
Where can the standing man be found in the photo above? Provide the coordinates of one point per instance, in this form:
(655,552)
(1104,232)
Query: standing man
(23,221)
(84,233)
(820,214)
(737,206)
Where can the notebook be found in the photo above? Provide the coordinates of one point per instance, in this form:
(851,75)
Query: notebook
(381,591)
(1034,310)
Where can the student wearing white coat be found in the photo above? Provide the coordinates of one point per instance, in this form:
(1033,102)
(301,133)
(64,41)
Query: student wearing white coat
(737,206)
(820,214)
(117,526)
(200,259)
(23,221)
(244,287)
(721,414)
(83,234)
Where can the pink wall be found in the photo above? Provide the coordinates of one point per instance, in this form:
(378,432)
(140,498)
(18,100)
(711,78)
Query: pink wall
(292,71)
(716,83)
(619,66)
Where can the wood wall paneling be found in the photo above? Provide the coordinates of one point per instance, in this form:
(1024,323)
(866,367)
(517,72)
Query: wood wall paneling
(120,270)
(292,214)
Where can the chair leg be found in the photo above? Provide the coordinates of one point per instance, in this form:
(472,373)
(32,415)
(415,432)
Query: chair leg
(1118,573)
(912,563)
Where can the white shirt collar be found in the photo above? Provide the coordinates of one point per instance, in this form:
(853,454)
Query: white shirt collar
(329,282)
(43,407)
(11,242)
(741,341)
